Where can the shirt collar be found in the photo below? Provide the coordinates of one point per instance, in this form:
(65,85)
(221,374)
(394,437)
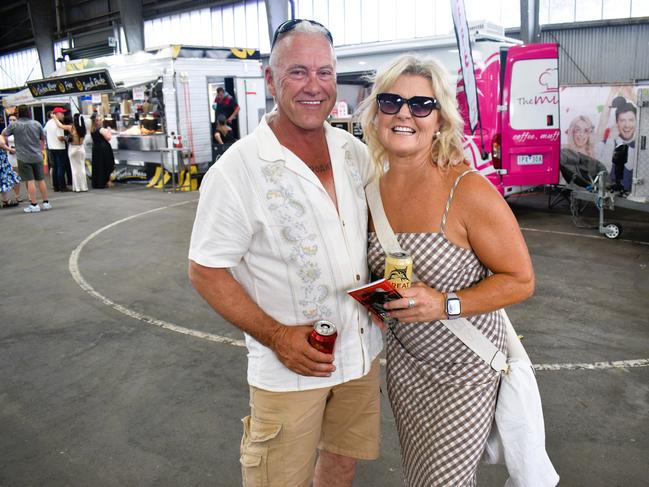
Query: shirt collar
(270,149)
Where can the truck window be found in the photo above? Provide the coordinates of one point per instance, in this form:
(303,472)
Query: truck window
(534,96)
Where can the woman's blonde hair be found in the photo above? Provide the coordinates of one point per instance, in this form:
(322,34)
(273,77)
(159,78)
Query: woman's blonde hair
(571,135)
(447,148)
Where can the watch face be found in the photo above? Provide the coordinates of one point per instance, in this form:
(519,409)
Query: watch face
(453,307)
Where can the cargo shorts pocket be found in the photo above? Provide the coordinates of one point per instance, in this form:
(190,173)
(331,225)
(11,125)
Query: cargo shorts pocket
(254,451)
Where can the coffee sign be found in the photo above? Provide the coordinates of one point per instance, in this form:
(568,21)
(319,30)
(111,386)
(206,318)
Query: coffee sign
(68,85)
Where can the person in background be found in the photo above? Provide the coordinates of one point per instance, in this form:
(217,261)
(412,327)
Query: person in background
(103,159)
(224,133)
(13,160)
(279,238)
(56,149)
(580,134)
(8,178)
(468,251)
(77,152)
(225,104)
(29,137)
(67,120)
(616,145)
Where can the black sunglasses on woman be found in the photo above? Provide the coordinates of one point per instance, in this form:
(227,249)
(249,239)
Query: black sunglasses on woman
(419,106)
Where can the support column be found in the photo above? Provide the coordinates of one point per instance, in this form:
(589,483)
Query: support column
(130,12)
(40,16)
(530,29)
(277,12)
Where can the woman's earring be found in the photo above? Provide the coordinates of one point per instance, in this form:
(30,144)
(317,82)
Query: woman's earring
(437,135)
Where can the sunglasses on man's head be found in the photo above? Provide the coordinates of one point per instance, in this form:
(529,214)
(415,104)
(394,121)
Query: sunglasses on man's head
(420,106)
(289,25)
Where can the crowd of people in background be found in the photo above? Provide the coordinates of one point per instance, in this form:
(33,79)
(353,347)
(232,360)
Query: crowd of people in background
(29,151)
(27,148)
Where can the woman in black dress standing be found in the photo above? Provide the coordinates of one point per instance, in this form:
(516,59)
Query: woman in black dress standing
(103,161)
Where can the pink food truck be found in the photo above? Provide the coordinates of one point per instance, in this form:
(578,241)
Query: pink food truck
(516,145)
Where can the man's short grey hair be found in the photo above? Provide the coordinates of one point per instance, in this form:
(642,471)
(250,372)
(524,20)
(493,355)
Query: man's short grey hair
(304,27)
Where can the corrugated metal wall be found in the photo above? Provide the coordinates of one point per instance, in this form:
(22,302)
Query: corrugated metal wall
(601,54)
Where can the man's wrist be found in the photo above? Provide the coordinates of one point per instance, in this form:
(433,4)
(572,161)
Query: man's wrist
(276,336)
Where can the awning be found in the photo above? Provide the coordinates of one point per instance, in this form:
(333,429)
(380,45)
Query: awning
(24,97)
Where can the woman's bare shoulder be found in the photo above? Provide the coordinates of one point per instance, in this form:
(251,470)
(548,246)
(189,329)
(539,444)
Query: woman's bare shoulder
(476,195)
(474,184)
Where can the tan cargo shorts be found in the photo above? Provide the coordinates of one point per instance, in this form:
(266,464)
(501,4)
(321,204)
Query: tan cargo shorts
(284,430)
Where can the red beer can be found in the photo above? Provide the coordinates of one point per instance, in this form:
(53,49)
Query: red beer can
(323,336)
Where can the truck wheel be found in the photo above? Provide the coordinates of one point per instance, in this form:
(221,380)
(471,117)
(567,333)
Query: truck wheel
(612,230)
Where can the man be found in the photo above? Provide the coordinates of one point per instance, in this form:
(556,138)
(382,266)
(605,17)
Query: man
(29,138)
(225,104)
(57,153)
(280,236)
(618,152)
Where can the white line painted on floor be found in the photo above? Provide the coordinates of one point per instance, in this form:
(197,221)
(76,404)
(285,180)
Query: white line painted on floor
(73,266)
(620,364)
(571,234)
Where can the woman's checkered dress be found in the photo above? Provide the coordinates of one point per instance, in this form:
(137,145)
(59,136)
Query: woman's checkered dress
(443,395)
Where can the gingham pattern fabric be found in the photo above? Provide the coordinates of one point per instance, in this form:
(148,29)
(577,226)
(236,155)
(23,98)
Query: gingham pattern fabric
(442,394)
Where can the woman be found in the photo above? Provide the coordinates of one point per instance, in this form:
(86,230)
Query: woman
(13,159)
(76,151)
(8,178)
(579,135)
(464,240)
(103,161)
(224,133)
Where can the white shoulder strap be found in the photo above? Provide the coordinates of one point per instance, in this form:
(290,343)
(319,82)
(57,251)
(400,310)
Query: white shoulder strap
(476,341)
(384,232)
(460,327)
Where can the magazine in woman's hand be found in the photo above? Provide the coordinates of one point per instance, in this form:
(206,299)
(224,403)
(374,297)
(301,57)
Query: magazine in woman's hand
(374,295)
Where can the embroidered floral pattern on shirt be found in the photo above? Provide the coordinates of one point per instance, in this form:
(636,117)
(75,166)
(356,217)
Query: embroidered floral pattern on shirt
(313,302)
(354,172)
(289,212)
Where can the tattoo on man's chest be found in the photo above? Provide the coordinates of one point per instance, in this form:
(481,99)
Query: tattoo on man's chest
(322,168)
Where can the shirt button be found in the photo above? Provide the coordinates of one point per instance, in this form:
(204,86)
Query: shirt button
(362,330)
(343,222)
(358,277)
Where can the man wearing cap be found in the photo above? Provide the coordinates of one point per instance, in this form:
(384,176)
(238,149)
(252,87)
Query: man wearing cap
(56,149)
(280,235)
(29,138)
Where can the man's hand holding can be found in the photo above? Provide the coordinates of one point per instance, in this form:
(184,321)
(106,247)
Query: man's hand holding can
(292,347)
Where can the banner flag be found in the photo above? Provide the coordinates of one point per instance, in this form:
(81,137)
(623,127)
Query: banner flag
(466,60)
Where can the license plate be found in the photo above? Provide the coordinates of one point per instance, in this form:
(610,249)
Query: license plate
(533,160)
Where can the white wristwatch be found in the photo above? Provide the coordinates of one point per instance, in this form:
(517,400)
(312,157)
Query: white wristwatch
(453,306)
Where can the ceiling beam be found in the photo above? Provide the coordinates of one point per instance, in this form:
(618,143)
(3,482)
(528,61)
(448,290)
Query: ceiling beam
(133,23)
(40,13)
(277,12)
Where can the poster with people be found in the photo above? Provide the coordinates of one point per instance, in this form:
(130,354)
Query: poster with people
(600,122)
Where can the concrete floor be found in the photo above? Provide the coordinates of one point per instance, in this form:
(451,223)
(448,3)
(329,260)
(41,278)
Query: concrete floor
(94,392)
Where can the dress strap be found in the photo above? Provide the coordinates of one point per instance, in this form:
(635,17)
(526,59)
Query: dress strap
(450,198)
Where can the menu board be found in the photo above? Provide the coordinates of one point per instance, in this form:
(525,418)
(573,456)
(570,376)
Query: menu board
(72,84)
